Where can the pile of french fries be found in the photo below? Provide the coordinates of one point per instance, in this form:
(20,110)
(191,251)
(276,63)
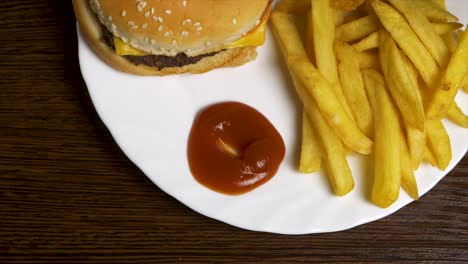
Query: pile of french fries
(375,77)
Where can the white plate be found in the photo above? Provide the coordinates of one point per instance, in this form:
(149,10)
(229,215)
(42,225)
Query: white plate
(150,119)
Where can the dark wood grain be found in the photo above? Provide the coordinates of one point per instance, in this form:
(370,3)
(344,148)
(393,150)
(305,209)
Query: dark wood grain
(69,195)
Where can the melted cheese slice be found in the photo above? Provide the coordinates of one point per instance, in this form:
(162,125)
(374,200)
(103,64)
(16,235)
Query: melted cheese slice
(253,38)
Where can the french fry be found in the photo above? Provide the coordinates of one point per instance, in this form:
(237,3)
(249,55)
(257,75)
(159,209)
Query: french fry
(339,173)
(367,43)
(353,86)
(399,83)
(346,5)
(293,6)
(442,28)
(357,29)
(335,163)
(408,180)
(287,35)
(450,82)
(416,142)
(324,39)
(456,115)
(429,157)
(309,38)
(333,112)
(465,84)
(369,59)
(438,142)
(408,41)
(440,3)
(387,160)
(372,41)
(412,71)
(450,40)
(310,150)
(317,87)
(433,11)
(424,30)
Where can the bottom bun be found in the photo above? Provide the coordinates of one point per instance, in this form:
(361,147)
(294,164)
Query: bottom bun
(93,33)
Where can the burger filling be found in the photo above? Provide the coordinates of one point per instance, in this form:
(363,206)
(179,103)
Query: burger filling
(157,61)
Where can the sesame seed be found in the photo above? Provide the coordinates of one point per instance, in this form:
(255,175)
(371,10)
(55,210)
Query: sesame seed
(167,34)
(197,24)
(199,29)
(133,27)
(110,18)
(174,42)
(141,5)
(184,34)
(124,13)
(131,23)
(234,21)
(144,26)
(184,3)
(160,28)
(186,21)
(168,12)
(147,14)
(152,10)
(160,19)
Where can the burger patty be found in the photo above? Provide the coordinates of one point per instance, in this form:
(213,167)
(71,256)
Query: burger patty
(157,61)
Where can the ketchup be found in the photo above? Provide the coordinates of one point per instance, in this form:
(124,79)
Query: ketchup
(233,148)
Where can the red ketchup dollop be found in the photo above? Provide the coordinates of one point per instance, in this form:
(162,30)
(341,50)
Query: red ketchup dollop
(233,148)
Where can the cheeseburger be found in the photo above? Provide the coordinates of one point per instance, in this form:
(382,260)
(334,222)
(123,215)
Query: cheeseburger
(160,37)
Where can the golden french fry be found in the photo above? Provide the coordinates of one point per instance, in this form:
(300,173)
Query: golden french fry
(324,39)
(416,142)
(456,115)
(293,6)
(372,41)
(367,43)
(440,3)
(465,84)
(333,112)
(445,27)
(408,41)
(357,29)
(309,38)
(408,180)
(438,142)
(287,35)
(339,17)
(339,173)
(450,82)
(353,86)
(424,30)
(433,11)
(369,59)
(387,161)
(429,157)
(334,160)
(317,86)
(450,40)
(310,149)
(347,5)
(399,82)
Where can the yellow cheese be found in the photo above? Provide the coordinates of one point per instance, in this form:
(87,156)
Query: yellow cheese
(121,48)
(254,38)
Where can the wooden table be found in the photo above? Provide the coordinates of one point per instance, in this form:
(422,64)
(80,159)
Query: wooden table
(69,195)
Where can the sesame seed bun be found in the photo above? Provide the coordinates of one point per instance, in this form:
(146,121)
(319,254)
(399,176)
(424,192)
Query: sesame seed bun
(195,27)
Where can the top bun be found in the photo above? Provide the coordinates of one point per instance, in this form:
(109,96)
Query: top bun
(170,27)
